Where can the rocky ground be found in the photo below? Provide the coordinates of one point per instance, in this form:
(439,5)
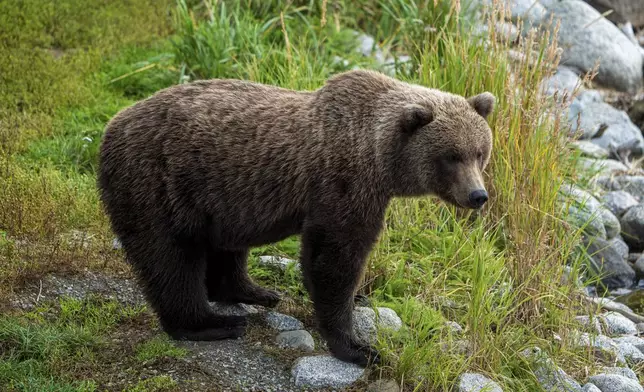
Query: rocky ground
(278,353)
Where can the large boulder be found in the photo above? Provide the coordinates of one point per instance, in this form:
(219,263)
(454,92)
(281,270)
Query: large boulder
(607,262)
(633,184)
(325,371)
(366,323)
(587,37)
(584,208)
(529,12)
(618,202)
(617,324)
(602,166)
(475,382)
(589,149)
(564,81)
(549,376)
(592,118)
(615,383)
(632,223)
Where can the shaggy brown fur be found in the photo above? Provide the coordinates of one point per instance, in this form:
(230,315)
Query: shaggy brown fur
(195,175)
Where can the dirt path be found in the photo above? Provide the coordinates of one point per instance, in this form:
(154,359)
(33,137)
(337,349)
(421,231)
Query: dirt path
(245,364)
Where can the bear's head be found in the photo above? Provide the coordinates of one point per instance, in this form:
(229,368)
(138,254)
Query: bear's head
(444,144)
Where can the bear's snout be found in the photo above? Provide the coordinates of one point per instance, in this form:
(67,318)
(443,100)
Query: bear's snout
(477,198)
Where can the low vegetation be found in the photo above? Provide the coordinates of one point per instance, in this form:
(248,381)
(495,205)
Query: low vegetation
(69,65)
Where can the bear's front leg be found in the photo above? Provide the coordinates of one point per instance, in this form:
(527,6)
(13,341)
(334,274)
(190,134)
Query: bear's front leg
(333,258)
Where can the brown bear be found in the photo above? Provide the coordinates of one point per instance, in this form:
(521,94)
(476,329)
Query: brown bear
(195,175)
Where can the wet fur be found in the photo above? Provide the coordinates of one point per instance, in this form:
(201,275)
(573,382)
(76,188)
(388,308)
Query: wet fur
(197,174)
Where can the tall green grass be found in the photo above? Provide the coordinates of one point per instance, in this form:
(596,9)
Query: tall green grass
(60,346)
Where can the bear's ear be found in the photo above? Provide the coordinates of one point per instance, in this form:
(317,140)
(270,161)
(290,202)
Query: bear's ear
(483,103)
(414,117)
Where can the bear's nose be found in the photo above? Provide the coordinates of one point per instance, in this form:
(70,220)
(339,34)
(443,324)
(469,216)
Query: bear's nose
(478,198)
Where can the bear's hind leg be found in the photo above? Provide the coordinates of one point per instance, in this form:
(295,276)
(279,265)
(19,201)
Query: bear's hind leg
(171,274)
(227,280)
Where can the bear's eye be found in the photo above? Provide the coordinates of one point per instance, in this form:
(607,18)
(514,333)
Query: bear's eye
(453,158)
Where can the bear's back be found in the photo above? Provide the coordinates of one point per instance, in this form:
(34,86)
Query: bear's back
(230,150)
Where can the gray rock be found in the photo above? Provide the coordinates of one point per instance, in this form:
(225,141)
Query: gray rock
(584,210)
(611,305)
(613,229)
(590,324)
(607,263)
(589,149)
(78,238)
(454,327)
(567,275)
(603,347)
(325,371)
(620,292)
(618,202)
(299,340)
(620,246)
(618,325)
(587,37)
(585,202)
(622,371)
(632,223)
(504,31)
(391,64)
(638,266)
(368,47)
(282,322)
(591,388)
(588,115)
(279,262)
(550,376)
(458,347)
(474,382)
(563,82)
(634,340)
(116,244)
(339,60)
(615,383)
(631,354)
(602,166)
(383,386)
(366,44)
(366,323)
(640,328)
(531,12)
(631,184)
(592,224)
(388,318)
